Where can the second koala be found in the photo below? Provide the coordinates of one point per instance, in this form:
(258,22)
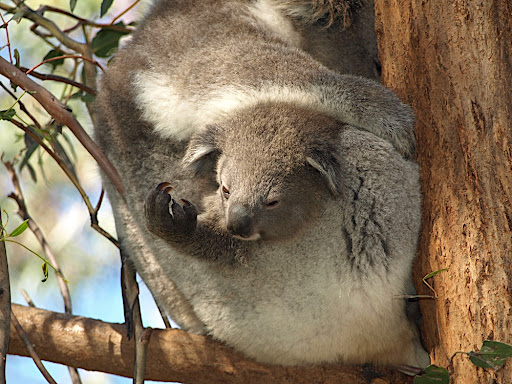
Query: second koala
(291,224)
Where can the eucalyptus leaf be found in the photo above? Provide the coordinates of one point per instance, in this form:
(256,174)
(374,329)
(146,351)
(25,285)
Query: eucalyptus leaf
(433,375)
(106,41)
(431,274)
(45,271)
(492,354)
(16,58)
(7,114)
(50,55)
(19,229)
(105,5)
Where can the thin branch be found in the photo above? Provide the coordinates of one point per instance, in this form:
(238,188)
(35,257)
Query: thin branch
(61,79)
(7,37)
(73,372)
(27,298)
(81,21)
(22,106)
(62,114)
(24,11)
(31,350)
(18,197)
(5,305)
(133,319)
(124,12)
(165,319)
(84,49)
(64,57)
(60,162)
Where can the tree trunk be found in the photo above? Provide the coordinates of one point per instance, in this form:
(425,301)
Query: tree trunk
(451,60)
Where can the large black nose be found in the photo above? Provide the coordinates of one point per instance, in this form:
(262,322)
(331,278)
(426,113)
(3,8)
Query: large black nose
(240,221)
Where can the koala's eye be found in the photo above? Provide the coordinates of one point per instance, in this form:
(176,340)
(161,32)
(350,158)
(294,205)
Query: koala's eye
(272,204)
(225,192)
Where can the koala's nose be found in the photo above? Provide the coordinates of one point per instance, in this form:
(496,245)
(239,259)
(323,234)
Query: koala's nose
(239,221)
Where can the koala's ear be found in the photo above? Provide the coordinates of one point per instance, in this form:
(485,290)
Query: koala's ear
(326,161)
(202,152)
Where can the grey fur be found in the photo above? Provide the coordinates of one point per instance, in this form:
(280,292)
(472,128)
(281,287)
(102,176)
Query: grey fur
(316,165)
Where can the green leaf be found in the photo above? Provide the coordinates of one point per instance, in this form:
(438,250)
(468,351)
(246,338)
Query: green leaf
(105,5)
(45,271)
(88,98)
(106,41)
(20,229)
(431,274)
(16,58)
(54,53)
(433,375)
(492,354)
(31,146)
(7,114)
(72,4)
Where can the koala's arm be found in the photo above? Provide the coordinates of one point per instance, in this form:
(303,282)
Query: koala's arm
(368,105)
(178,225)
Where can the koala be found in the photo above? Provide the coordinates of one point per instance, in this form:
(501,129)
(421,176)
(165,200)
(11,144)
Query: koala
(285,216)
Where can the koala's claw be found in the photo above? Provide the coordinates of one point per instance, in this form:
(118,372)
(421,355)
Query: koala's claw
(167,218)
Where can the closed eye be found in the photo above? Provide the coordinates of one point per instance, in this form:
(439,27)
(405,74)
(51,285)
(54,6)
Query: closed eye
(272,204)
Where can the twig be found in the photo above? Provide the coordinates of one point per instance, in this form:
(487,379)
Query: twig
(22,106)
(124,12)
(165,319)
(31,350)
(7,37)
(5,305)
(27,298)
(133,318)
(61,79)
(81,21)
(62,114)
(65,57)
(92,211)
(18,197)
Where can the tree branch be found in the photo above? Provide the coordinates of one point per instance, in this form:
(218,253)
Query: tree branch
(173,355)
(62,114)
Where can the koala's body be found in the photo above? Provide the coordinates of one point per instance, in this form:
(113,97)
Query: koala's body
(296,240)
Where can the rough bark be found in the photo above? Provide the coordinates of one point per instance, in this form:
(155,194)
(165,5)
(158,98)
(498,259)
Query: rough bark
(451,60)
(173,355)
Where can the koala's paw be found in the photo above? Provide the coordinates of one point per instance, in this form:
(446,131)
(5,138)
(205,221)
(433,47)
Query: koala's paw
(167,218)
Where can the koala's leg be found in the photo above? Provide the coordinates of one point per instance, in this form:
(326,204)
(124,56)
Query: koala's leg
(177,224)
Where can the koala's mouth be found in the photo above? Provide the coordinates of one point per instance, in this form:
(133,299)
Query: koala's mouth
(253,237)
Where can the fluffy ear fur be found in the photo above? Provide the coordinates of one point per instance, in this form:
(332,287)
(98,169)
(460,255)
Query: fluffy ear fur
(202,152)
(325,159)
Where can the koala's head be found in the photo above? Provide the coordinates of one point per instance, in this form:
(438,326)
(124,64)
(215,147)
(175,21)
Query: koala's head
(275,166)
